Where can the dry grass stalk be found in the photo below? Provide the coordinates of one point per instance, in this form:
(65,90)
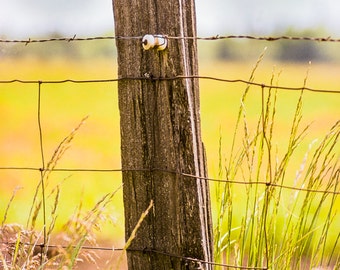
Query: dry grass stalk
(19,246)
(133,234)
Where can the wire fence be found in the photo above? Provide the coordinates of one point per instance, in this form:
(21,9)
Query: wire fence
(178,77)
(216,37)
(45,168)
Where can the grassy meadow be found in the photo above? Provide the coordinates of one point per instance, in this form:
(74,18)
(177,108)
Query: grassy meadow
(96,144)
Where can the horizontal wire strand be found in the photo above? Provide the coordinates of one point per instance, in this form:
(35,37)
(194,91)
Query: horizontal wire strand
(264,183)
(209,38)
(178,77)
(145,250)
(195,260)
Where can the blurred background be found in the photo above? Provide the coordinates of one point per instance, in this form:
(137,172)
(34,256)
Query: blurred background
(22,19)
(38,18)
(96,144)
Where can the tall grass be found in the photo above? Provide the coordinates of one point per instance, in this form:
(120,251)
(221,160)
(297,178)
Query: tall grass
(29,247)
(274,226)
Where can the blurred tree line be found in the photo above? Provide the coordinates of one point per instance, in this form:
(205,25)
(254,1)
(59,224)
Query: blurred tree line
(220,50)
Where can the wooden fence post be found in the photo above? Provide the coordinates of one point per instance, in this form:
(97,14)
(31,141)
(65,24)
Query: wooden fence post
(160,137)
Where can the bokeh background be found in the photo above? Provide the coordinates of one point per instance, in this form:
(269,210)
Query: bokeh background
(97,143)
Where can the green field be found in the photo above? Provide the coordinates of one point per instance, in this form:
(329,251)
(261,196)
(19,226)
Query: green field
(97,143)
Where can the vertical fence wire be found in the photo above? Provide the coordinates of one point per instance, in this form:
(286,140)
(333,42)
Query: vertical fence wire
(42,173)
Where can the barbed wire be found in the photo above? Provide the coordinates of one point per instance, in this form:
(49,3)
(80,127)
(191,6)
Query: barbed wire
(209,38)
(262,85)
(183,174)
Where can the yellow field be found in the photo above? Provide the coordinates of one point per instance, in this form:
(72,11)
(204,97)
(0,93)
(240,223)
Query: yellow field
(96,144)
